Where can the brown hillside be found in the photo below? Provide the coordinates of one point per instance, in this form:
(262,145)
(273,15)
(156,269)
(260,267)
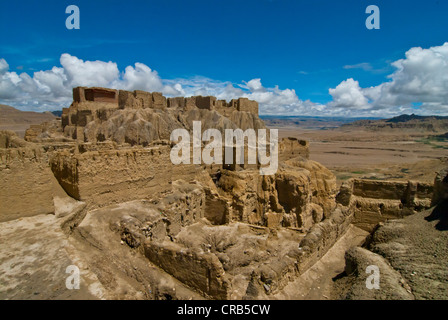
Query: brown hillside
(18,121)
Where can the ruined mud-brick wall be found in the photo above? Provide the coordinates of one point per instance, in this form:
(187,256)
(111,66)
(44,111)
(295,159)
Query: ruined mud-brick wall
(312,247)
(440,187)
(375,201)
(113,176)
(199,270)
(364,203)
(322,237)
(290,147)
(90,104)
(47,131)
(300,194)
(100,174)
(26,181)
(33,132)
(212,103)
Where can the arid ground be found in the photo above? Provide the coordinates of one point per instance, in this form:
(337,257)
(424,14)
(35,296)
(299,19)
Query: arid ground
(378,155)
(353,152)
(106,242)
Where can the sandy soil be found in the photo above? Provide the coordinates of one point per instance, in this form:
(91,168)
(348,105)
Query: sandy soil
(34,256)
(35,253)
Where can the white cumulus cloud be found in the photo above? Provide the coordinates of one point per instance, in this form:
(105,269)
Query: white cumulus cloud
(52,89)
(419,84)
(348,94)
(4,66)
(420,79)
(88,73)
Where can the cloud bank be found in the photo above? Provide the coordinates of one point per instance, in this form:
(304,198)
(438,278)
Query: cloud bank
(419,84)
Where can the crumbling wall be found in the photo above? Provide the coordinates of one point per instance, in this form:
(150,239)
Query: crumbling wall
(290,147)
(96,94)
(322,237)
(300,194)
(141,100)
(294,195)
(217,208)
(200,270)
(100,95)
(89,104)
(26,181)
(272,277)
(375,201)
(440,187)
(211,103)
(323,184)
(112,176)
(98,105)
(206,102)
(151,227)
(244,104)
(49,131)
(245,190)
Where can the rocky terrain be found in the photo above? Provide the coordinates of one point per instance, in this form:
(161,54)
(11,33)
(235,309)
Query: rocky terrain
(96,188)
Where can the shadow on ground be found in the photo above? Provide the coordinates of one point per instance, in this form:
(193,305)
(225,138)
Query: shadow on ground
(440,213)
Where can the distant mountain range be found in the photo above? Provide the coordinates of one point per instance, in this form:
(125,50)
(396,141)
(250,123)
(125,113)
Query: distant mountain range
(57,113)
(406,118)
(437,124)
(405,121)
(308,122)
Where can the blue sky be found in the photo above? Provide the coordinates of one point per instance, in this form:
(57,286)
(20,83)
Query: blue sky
(309,46)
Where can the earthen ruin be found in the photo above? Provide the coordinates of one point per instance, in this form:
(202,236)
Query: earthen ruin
(221,232)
